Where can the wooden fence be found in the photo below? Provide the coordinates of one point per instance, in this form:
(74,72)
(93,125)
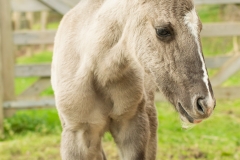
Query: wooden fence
(228,65)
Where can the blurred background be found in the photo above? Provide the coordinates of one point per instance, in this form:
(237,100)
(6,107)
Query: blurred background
(29,124)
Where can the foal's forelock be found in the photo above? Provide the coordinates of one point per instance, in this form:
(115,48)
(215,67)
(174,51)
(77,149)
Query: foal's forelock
(192,21)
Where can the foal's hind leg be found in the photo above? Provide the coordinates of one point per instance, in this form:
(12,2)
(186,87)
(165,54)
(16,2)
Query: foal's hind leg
(131,136)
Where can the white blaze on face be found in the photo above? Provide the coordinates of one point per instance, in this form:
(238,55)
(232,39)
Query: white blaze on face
(192,21)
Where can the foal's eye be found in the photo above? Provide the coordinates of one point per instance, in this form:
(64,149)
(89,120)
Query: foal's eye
(163,32)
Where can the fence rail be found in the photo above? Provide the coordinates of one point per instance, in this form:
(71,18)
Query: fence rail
(47,37)
(33,70)
(43,70)
(198,2)
(33,37)
(228,65)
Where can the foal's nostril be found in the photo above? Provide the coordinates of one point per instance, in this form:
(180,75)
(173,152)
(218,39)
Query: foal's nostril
(204,106)
(200,106)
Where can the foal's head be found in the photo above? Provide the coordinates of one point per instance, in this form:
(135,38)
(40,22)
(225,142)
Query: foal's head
(167,42)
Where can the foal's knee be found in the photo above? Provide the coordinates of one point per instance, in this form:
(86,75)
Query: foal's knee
(82,143)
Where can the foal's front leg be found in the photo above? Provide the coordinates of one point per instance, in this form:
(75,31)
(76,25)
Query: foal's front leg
(132,136)
(153,123)
(82,142)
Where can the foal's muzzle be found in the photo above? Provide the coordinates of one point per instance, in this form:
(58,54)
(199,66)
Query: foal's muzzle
(204,106)
(201,109)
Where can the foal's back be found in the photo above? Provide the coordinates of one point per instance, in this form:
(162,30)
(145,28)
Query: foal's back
(70,38)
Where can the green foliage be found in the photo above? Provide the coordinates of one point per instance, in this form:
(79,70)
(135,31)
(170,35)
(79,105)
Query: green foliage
(40,57)
(209,13)
(42,121)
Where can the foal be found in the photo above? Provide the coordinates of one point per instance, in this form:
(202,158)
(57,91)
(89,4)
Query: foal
(109,58)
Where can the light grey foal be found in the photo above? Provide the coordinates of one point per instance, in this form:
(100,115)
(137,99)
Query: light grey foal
(109,57)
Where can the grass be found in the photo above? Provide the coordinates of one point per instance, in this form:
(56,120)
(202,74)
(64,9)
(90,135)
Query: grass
(35,134)
(216,138)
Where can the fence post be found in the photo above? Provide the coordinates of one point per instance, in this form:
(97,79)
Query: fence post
(1,90)
(7,55)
